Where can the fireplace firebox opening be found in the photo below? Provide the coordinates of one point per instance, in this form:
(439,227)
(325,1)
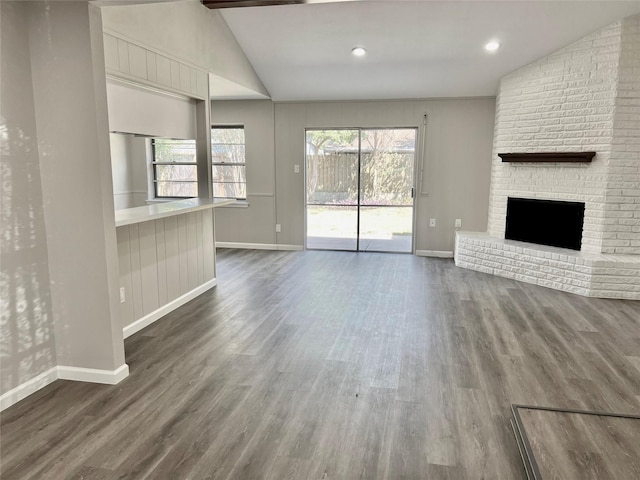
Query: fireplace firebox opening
(545,222)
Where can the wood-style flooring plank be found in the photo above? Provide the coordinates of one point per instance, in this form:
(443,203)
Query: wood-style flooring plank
(336,365)
(575,446)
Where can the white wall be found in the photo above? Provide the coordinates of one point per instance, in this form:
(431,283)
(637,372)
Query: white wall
(457,163)
(72,126)
(27,338)
(129,170)
(189,31)
(255,224)
(58,138)
(145,112)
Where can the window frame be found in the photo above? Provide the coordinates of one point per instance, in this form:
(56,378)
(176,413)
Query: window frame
(230,164)
(155,163)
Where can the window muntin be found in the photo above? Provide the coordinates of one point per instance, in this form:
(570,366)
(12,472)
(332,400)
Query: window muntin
(174,168)
(228,162)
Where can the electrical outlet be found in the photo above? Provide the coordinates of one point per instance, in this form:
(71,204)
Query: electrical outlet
(278,228)
(296,168)
(458,222)
(122,295)
(432,222)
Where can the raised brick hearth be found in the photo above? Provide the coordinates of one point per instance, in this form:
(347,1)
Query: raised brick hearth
(589,274)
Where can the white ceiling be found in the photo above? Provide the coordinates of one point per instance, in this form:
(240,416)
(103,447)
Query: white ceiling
(416,49)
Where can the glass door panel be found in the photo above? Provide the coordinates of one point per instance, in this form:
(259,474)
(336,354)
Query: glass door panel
(386,189)
(386,229)
(332,158)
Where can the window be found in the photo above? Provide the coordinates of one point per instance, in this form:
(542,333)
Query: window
(174,168)
(175,171)
(228,162)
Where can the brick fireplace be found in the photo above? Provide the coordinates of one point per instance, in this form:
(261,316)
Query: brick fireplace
(583,98)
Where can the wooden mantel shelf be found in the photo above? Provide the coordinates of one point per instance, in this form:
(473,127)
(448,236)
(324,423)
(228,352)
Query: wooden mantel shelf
(548,157)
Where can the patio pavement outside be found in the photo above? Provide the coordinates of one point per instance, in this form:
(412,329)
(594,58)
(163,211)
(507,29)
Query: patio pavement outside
(382,229)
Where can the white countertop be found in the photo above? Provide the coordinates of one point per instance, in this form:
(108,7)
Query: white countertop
(129,216)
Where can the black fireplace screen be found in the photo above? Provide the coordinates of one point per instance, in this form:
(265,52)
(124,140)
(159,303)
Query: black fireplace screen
(545,222)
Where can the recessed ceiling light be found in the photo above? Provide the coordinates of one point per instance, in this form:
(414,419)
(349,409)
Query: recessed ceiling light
(492,46)
(358,51)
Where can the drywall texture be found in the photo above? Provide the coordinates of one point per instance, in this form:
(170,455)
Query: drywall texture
(27,340)
(129,170)
(71,110)
(188,31)
(145,112)
(585,97)
(456,163)
(62,272)
(77,188)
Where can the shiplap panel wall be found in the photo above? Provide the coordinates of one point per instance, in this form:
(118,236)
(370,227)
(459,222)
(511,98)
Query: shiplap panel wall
(161,260)
(125,59)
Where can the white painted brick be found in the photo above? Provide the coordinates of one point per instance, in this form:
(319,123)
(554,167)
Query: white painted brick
(584,97)
(608,276)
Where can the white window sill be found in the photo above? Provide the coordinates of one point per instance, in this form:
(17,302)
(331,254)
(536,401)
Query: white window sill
(237,204)
(161,200)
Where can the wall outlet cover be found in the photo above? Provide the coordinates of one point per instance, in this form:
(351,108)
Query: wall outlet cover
(432,222)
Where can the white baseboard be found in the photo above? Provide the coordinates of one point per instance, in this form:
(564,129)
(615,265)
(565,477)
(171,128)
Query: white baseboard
(110,377)
(259,246)
(169,307)
(27,388)
(434,253)
(93,375)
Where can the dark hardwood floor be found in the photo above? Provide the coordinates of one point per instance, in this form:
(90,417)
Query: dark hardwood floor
(330,365)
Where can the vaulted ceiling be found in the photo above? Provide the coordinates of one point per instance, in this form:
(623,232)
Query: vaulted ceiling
(415,49)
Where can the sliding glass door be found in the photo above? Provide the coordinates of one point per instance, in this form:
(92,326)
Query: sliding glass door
(360,189)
